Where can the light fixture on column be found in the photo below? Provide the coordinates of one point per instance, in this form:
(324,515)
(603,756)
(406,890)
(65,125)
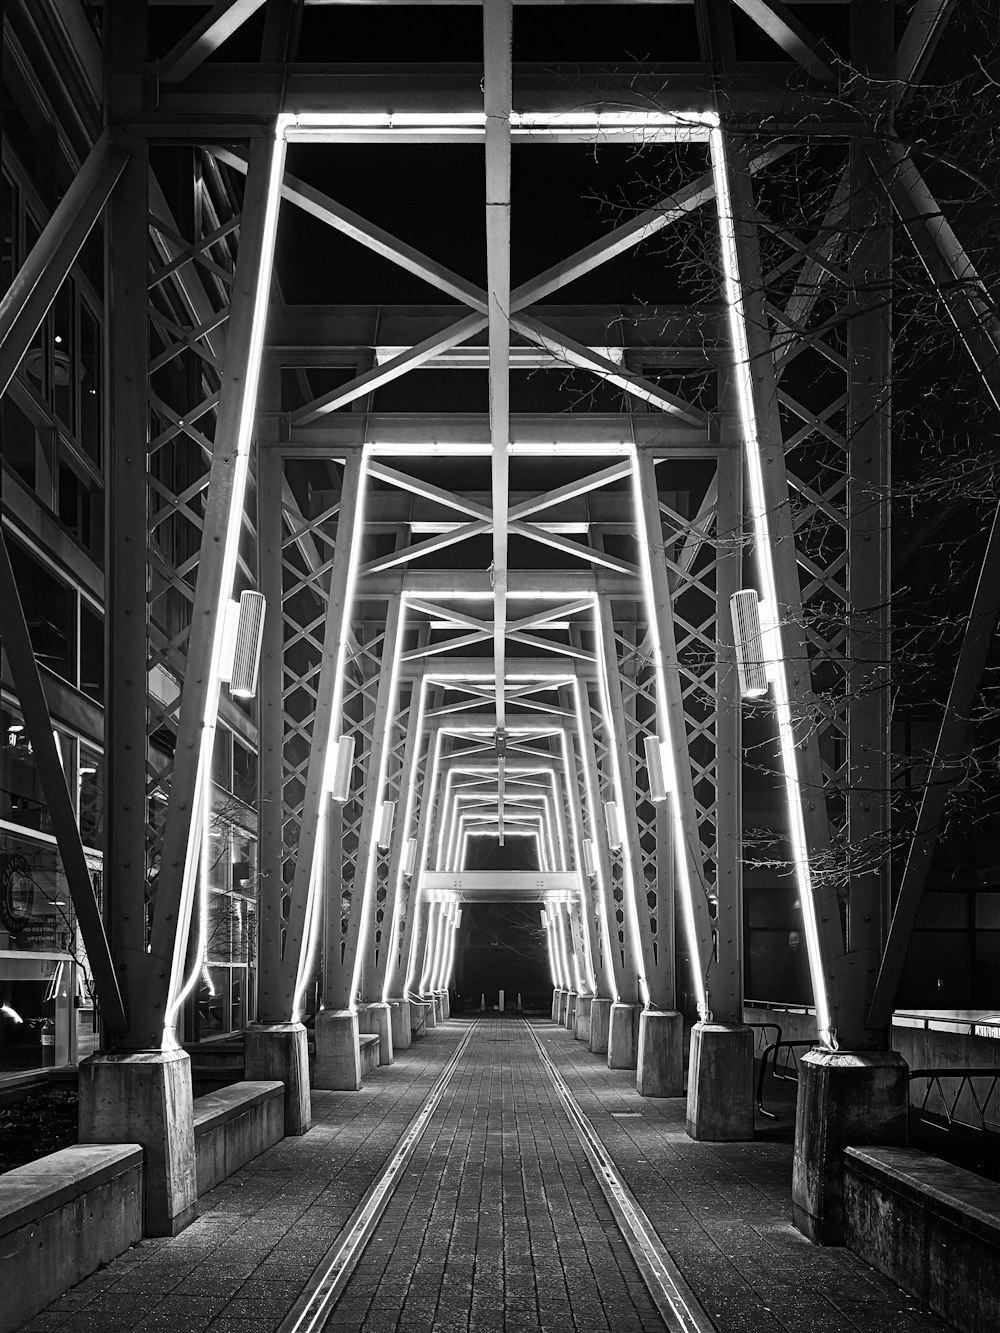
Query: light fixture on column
(242,636)
(410,856)
(339,767)
(660,774)
(589,863)
(613,821)
(386,820)
(753,632)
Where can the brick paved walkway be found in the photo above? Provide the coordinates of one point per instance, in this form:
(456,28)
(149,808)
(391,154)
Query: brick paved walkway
(497,1225)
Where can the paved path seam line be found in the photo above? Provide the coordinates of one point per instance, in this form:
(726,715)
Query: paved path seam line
(333,1271)
(679,1308)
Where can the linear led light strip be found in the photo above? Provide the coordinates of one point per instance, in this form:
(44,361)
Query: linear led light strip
(417,893)
(618,781)
(578,857)
(315,1306)
(197,857)
(676,1302)
(765,567)
(667,752)
(592,805)
(390,971)
(687,125)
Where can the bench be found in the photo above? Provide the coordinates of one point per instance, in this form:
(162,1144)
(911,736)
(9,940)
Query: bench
(234,1125)
(932,1227)
(368,1044)
(61,1218)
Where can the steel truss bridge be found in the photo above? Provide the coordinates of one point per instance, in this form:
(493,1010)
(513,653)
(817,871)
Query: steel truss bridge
(513,621)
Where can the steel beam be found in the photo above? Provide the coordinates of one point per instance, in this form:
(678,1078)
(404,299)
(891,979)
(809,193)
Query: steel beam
(36,283)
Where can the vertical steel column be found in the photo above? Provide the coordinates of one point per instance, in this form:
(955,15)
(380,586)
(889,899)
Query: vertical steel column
(622,768)
(276,987)
(578,801)
(671,724)
(355,942)
(325,721)
(869,419)
(725,973)
(143,979)
(624,975)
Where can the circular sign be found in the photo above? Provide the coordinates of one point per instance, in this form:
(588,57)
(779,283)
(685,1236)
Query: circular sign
(17,892)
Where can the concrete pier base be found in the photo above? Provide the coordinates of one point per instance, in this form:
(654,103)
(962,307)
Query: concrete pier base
(430,1012)
(563,1005)
(581,1029)
(572,999)
(846,1099)
(377,1018)
(660,1063)
(445,1004)
(623,1036)
(557,995)
(720,1082)
(400,1020)
(438,1009)
(338,1055)
(145,1097)
(281,1051)
(600,1024)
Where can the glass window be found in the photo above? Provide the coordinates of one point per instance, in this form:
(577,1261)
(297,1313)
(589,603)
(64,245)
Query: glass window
(244,772)
(9,254)
(81,507)
(89,433)
(63,354)
(222,758)
(91,777)
(27,449)
(91,653)
(21,799)
(50,608)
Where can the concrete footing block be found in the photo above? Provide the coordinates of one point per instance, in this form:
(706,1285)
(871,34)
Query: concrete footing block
(600,1024)
(445,1004)
(623,1036)
(430,1012)
(563,1006)
(572,1000)
(338,1055)
(438,1007)
(720,1083)
(660,1064)
(400,1020)
(846,1099)
(145,1097)
(581,1029)
(557,995)
(377,1018)
(281,1051)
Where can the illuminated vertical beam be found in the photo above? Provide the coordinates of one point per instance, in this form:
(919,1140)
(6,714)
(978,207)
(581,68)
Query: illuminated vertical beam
(550,944)
(636,913)
(327,726)
(774,540)
(221,531)
(671,728)
(414,954)
(497,37)
(383,968)
(594,951)
(623,970)
(360,923)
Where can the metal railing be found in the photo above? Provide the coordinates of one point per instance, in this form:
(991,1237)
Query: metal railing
(762,1029)
(787,1072)
(960,1101)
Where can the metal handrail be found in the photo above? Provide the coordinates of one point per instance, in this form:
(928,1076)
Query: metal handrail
(762,1027)
(964,1078)
(772,1050)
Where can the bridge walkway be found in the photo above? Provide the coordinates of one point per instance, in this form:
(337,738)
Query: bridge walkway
(479,1211)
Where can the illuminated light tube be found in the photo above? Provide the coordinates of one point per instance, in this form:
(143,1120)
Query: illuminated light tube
(342,768)
(386,820)
(613,823)
(589,863)
(765,566)
(410,856)
(748,634)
